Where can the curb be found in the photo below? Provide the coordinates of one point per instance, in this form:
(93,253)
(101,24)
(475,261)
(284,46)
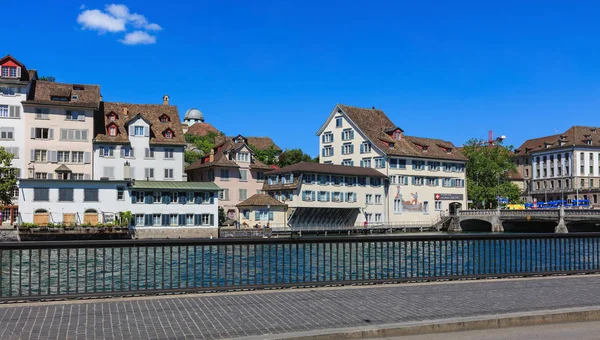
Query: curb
(445,325)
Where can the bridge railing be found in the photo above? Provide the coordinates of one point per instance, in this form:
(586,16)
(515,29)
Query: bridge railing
(478,212)
(49,270)
(544,213)
(582,212)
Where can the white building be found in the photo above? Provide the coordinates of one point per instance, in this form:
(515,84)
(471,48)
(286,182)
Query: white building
(148,138)
(426,176)
(328,195)
(160,209)
(15,84)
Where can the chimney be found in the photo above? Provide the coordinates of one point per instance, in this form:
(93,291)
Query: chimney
(126,171)
(125,111)
(211,157)
(166,99)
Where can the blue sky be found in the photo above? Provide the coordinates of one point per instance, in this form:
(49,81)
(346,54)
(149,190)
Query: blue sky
(445,69)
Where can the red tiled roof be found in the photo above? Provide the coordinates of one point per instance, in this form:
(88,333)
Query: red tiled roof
(574,136)
(201,129)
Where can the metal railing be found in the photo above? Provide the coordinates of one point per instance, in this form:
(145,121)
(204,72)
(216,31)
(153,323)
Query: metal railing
(47,270)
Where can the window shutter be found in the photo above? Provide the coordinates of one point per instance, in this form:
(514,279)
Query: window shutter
(257,215)
(131,152)
(328,196)
(412,180)
(197,219)
(122,152)
(86,176)
(101,152)
(146,131)
(133,197)
(226,194)
(50,175)
(86,158)
(270,216)
(53,156)
(32,133)
(212,220)
(181,220)
(146,153)
(148,220)
(131,130)
(323,152)
(84,134)
(19,72)
(313,196)
(15,152)
(51,133)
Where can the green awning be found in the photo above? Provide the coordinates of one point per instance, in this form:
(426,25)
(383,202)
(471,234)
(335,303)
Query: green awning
(174,186)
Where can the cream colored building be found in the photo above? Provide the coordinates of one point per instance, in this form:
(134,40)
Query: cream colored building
(426,176)
(328,195)
(59,123)
(264,211)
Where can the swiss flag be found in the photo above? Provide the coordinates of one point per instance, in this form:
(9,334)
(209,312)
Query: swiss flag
(437,196)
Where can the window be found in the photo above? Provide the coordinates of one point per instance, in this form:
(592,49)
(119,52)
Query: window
(243,194)
(365,163)
(398,206)
(206,219)
(244,175)
(109,171)
(137,197)
(41,194)
(431,181)
(378,218)
(41,175)
(168,134)
(120,193)
(375,182)
(9,71)
(169,174)
(417,180)
(73,135)
(149,173)
(327,137)
(65,194)
(90,195)
(323,196)
(224,174)
(148,153)
(438,205)
(418,165)
(156,220)
(7,133)
(189,219)
(42,113)
(365,147)
(260,176)
(582,184)
(350,197)
(308,195)
(139,219)
(75,115)
(369,199)
(138,130)
(327,151)
(77,156)
(347,149)
(224,195)
(348,162)
(348,134)
(337,197)
(63,156)
(379,163)
(369,218)
(13,150)
(107,151)
(112,117)
(41,133)
(164,119)
(243,156)
(434,166)
(168,153)
(112,130)
(377,199)
(338,122)
(396,163)
(3,111)
(41,156)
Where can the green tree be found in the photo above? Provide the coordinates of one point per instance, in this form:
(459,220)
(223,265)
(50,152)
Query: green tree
(293,156)
(8,177)
(48,78)
(222,216)
(488,169)
(203,143)
(268,156)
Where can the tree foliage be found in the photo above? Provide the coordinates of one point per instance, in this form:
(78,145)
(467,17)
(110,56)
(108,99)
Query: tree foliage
(268,156)
(8,177)
(488,170)
(203,145)
(293,156)
(48,78)
(222,216)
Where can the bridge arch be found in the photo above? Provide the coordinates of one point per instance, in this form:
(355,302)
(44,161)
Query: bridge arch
(476,225)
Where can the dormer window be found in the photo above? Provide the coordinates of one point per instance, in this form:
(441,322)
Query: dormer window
(397,135)
(10,71)
(593,130)
(77,87)
(391,145)
(168,134)
(164,119)
(59,98)
(425,148)
(588,142)
(112,116)
(112,130)
(448,150)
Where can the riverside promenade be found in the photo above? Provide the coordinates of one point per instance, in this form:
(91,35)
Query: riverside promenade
(310,313)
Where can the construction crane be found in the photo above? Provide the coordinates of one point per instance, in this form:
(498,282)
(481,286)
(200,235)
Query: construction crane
(492,141)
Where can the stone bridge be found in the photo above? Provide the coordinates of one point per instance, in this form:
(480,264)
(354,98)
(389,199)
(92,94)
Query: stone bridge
(541,220)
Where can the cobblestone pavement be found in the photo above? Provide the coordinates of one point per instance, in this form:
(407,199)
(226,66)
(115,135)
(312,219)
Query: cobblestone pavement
(231,315)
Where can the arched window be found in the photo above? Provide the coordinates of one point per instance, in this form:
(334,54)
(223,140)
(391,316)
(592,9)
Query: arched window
(41,211)
(112,130)
(91,211)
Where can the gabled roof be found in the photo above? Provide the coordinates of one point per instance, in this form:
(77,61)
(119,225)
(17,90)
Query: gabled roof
(42,92)
(201,129)
(331,169)
(574,136)
(376,126)
(26,75)
(261,200)
(220,152)
(125,112)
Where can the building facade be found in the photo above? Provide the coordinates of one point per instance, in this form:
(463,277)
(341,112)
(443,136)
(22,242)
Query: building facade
(426,176)
(59,122)
(319,195)
(138,141)
(562,167)
(231,165)
(159,209)
(15,84)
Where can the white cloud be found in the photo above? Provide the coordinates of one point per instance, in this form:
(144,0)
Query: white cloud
(117,18)
(138,38)
(94,19)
